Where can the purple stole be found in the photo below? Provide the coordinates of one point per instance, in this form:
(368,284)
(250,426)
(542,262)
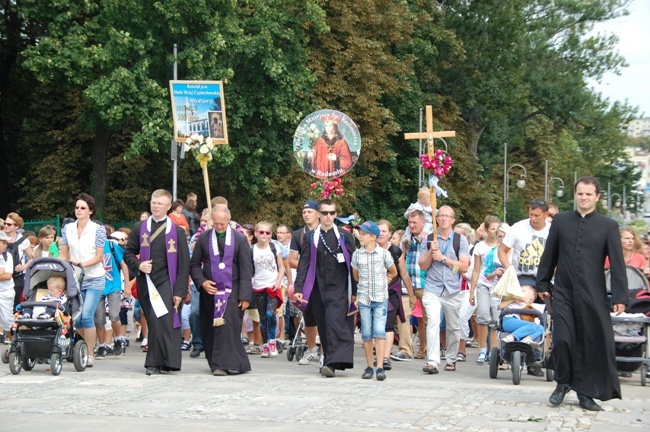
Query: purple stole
(221,273)
(171,240)
(310,279)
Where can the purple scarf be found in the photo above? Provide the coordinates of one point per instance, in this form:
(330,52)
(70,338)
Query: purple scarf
(171,240)
(310,279)
(222,273)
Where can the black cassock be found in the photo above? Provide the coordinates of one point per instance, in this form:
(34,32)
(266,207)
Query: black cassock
(223,347)
(583,353)
(164,340)
(329,297)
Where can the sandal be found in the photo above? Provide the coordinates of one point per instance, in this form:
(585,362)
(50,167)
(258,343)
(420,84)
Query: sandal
(145,348)
(185,346)
(419,355)
(450,367)
(461,357)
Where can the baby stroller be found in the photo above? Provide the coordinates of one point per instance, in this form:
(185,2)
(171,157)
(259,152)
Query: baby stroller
(631,328)
(519,354)
(51,339)
(298,344)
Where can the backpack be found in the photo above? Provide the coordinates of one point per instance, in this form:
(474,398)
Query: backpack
(14,250)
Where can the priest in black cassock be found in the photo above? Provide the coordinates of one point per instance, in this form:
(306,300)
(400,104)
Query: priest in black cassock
(157,252)
(583,353)
(324,281)
(222,270)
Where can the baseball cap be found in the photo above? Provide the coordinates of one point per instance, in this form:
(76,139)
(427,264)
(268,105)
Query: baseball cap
(310,205)
(370,227)
(119,235)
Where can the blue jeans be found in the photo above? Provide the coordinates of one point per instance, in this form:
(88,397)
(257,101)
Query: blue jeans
(373,320)
(520,328)
(91,300)
(195,324)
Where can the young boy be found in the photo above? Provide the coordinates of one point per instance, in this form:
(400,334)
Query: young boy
(55,294)
(370,265)
(520,327)
(6,288)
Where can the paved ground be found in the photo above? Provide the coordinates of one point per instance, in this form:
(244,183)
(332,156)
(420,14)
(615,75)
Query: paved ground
(281,395)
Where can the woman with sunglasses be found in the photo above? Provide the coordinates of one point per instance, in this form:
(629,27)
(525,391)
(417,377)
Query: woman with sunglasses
(267,283)
(83,244)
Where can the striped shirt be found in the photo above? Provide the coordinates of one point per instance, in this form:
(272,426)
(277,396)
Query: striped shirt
(372,268)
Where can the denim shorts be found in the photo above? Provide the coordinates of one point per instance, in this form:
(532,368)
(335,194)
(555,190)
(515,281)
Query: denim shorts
(373,320)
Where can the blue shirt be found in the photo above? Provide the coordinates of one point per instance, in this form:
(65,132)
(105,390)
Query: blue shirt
(112,266)
(440,277)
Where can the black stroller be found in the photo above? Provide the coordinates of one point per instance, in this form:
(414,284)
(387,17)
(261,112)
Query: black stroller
(52,338)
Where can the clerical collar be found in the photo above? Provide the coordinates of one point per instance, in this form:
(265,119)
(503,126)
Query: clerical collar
(326,230)
(159,221)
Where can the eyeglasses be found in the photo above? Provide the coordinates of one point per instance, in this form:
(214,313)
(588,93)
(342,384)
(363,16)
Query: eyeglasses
(9,224)
(443,216)
(328,213)
(80,208)
(538,202)
(264,232)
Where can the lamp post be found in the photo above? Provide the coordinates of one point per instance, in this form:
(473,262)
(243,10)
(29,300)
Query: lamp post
(559,192)
(627,206)
(506,177)
(609,202)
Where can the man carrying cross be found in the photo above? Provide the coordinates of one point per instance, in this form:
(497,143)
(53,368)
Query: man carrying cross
(222,270)
(157,252)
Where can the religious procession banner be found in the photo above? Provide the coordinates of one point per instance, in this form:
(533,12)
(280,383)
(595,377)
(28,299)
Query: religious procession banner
(327,144)
(199,108)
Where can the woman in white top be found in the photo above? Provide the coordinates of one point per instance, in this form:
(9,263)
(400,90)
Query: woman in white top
(83,244)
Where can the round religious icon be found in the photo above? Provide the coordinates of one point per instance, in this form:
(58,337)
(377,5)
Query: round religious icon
(327,144)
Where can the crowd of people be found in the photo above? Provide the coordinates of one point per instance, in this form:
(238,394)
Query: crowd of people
(205,283)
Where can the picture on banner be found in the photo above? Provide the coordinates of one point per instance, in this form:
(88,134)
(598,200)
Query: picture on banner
(327,144)
(199,108)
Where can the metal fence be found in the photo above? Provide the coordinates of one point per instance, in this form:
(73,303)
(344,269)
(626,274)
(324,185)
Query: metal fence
(36,225)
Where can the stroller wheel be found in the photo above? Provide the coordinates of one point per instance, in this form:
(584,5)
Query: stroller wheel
(5,356)
(290,353)
(516,367)
(644,371)
(56,363)
(494,362)
(80,355)
(549,374)
(28,363)
(14,362)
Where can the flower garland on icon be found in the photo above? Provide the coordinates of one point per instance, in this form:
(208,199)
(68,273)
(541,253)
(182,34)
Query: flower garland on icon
(202,149)
(328,188)
(437,166)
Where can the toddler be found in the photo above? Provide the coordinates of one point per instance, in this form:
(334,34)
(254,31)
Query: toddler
(519,326)
(55,294)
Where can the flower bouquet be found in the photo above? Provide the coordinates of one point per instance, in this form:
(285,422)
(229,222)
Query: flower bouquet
(202,149)
(328,188)
(439,164)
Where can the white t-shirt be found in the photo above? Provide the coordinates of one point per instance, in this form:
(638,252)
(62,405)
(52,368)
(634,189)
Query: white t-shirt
(527,246)
(482,249)
(8,266)
(266,267)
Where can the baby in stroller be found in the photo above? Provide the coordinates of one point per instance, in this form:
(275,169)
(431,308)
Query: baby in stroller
(55,294)
(521,327)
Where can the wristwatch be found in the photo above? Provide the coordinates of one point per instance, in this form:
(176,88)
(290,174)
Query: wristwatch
(444,260)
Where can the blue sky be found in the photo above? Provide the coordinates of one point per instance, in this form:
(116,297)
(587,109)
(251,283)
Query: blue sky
(633,83)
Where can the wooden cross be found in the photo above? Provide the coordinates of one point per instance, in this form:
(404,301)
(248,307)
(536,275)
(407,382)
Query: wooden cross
(430,135)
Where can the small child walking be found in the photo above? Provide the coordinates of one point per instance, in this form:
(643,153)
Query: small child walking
(372,268)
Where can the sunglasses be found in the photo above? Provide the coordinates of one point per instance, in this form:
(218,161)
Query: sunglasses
(81,208)
(538,202)
(264,232)
(328,213)
(9,224)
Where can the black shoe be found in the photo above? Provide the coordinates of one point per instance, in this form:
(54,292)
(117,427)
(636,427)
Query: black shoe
(152,371)
(367,373)
(558,395)
(381,375)
(196,352)
(387,365)
(327,372)
(588,403)
(535,371)
(118,348)
(101,353)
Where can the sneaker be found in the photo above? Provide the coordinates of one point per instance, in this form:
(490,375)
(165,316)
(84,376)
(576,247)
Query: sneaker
(90,362)
(45,316)
(118,348)
(109,350)
(255,350)
(380,374)
(528,340)
(327,372)
(309,356)
(400,357)
(367,373)
(508,339)
(144,342)
(266,351)
(482,357)
(26,315)
(273,348)
(186,345)
(101,353)
(386,365)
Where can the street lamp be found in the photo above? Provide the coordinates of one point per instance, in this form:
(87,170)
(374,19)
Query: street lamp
(521,183)
(609,202)
(559,192)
